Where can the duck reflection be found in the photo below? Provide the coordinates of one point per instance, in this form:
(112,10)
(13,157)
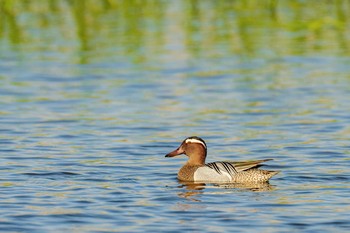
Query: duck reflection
(254,187)
(192,185)
(191,189)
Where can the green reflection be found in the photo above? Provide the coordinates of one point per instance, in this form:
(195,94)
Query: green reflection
(148,31)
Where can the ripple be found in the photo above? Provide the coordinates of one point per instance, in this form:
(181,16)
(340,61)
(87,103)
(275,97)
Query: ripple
(50,174)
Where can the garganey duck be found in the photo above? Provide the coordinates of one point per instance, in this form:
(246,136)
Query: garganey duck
(225,172)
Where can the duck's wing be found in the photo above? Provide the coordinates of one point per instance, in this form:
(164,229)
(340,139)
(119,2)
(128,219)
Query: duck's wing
(231,168)
(225,168)
(243,166)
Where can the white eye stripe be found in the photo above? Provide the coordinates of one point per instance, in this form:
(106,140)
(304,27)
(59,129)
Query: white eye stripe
(193,140)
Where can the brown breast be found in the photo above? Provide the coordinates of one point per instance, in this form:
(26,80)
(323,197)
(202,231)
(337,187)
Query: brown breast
(186,173)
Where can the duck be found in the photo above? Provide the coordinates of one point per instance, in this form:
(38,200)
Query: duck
(196,170)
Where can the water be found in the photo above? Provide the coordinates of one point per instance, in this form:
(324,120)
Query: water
(92,96)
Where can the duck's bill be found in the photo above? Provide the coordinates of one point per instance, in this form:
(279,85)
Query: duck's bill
(176,152)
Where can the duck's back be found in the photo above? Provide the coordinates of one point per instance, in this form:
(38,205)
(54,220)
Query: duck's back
(233,172)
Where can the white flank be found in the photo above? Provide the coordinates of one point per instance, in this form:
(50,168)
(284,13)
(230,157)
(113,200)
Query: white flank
(208,174)
(193,140)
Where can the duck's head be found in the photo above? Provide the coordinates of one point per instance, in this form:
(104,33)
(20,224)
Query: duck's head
(194,147)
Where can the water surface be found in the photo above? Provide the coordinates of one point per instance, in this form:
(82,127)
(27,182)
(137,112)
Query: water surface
(94,94)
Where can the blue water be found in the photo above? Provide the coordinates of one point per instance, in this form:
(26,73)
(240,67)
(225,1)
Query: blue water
(85,125)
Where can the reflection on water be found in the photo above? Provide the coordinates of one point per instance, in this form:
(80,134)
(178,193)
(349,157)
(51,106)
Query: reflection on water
(94,93)
(255,187)
(164,31)
(191,189)
(192,185)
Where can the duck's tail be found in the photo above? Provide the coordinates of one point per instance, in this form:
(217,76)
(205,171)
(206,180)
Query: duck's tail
(270,174)
(254,175)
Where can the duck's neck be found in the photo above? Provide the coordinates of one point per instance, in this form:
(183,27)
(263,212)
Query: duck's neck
(197,157)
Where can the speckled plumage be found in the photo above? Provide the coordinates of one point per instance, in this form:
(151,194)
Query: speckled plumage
(186,173)
(222,172)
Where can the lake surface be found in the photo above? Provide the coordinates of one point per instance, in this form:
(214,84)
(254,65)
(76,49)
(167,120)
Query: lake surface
(93,94)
